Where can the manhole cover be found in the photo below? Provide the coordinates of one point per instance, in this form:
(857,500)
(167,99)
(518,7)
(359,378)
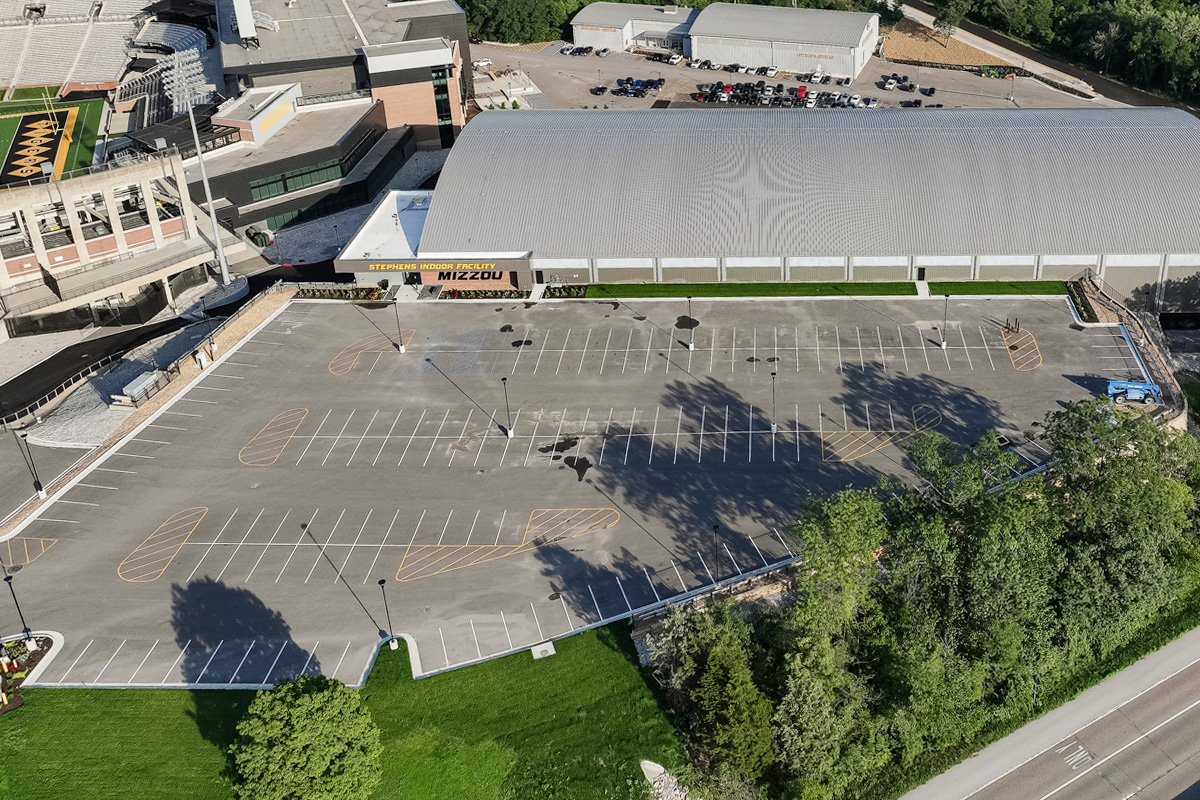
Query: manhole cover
(1012,347)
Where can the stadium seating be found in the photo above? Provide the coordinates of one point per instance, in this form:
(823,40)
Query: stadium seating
(171,36)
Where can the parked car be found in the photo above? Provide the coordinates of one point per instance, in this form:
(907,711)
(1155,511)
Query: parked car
(856,101)
(802,92)
(811,102)
(700,97)
(599,90)
(713,65)
(916,103)
(768,91)
(694,63)
(603,52)
(480,63)
(890,85)
(932,91)
(826,78)
(474,40)
(816,77)
(566,51)
(706,64)
(727,88)
(772,72)
(873,102)
(743,69)
(847,81)
(675,59)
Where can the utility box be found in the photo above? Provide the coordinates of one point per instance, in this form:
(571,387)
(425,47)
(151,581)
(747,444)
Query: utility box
(139,390)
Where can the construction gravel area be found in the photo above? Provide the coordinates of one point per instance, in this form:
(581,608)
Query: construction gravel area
(911,41)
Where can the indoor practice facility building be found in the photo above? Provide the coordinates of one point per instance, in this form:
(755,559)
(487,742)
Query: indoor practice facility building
(901,195)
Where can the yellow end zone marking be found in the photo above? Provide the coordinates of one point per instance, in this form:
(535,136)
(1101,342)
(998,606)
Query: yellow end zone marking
(1023,350)
(266,446)
(344,361)
(852,445)
(545,526)
(150,559)
(24,550)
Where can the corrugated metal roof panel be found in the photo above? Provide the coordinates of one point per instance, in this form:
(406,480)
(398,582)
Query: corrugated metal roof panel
(615,15)
(702,183)
(779,24)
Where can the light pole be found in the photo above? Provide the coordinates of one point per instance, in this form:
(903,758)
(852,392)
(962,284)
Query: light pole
(691,321)
(945,321)
(508,431)
(716,541)
(37,482)
(24,628)
(399,333)
(392,643)
(774,424)
(184,81)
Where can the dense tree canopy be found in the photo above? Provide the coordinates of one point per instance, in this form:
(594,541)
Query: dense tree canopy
(922,618)
(307,738)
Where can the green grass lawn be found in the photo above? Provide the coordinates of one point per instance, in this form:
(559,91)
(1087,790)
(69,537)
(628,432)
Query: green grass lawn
(604,291)
(570,726)
(34,92)
(997,287)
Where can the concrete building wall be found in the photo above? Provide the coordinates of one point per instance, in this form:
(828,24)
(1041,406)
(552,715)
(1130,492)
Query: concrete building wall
(787,56)
(598,37)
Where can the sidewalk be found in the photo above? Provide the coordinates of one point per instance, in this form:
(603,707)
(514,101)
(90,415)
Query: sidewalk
(1006,755)
(1005,55)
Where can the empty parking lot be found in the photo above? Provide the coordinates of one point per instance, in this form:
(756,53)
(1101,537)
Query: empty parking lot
(240,536)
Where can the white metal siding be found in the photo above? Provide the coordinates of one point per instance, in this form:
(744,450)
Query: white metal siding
(624,275)
(881,273)
(585,35)
(816,273)
(948,273)
(1010,272)
(690,274)
(784,55)
(770,274)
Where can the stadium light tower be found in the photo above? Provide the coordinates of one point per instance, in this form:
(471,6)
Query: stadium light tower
(184,81)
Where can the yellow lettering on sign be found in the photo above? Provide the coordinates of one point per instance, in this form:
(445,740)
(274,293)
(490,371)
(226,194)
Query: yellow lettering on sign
(275,116)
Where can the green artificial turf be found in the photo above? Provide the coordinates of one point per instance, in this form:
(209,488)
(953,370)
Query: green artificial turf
(34,92)
(604,291)
(81,150)
(570,726)
(996,287)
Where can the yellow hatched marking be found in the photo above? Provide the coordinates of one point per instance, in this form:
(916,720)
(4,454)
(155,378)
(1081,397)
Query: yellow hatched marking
(1023,350)
(853,445)
(545,526)
(24,550)
(150,559)
(265,448)
(344,361)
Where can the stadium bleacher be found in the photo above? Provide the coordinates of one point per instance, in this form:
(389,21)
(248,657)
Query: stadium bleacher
(171,36)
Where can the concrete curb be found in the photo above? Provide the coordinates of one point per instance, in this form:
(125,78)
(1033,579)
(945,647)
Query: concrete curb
(56,644)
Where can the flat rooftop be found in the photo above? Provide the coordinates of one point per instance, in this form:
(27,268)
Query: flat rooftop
(305,132)
(322,29)
(250,103)
(393,231)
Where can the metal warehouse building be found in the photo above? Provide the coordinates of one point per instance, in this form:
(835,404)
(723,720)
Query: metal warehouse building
(619,26)
(822,195)
(792,39)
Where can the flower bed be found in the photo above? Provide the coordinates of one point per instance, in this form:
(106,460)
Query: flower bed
(340,293)
(16,663)
(565,291)
(484,294)
(1082,304)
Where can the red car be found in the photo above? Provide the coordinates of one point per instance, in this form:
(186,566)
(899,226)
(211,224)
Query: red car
(802,92)
(729,87)
(700,97)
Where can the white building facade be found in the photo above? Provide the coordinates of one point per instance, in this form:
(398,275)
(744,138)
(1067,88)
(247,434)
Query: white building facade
(620,26)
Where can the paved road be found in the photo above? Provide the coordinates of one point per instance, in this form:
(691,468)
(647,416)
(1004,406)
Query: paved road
(1136,735)
(241,534)
(16,480)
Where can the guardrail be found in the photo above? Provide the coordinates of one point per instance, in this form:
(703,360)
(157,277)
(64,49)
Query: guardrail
(332,97)
(57,390)
(173,367)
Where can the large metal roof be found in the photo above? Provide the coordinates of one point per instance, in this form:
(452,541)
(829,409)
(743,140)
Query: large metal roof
(883,182)
(615,15)
(780,24)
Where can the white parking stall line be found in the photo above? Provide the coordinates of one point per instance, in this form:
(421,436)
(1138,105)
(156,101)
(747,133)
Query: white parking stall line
(509,440)
(797,433)
(700,441)
(108,663)
(679,575)
(583,353)
(649,341)
(239,364)
(775,333)
(532,439)
(817,331)
(313,438)
(500,527)
(754,349)
(270,542)
(628,344)
(629,436)
(652,587)
(175,663)
(387,437)
(77,503)
(243,541)
(837,334)
(131,455)
(712,349)
(375,363)
(363,437)
(148,441)
(732,560)
(517,360)
(536,621)
(165,427)
(862,361)
(750,435)
(966,349)
(445,653)
(566,612)
(486,435)
(622,588)
(599,613)
(563,352)
(882,358)
(308,660)
(321,551)
(703,563)
(678,428)
(782,542)
(340,660)
(144,659)
(217,649)
(461,436)
(338,437)
(903,350)
(184,414)
(76,661)
(545,339)
(383,543)
(474,522)
(122,471)
(212,388)
(412,436)
(98,486)
(445,527)
(250,353)
(475,636)
(229,377)
(242,663)
(604,438)
(987,349)
(725,441)
(760,553)
(604,355)
(52,519)
(303,530)
(354,544)
(194,400)
(946,351)
(211,546)
(557,438)
(653,434)
(270,669)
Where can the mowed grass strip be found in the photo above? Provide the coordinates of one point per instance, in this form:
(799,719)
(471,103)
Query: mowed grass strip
(996,287)
(572,725)
(604,291)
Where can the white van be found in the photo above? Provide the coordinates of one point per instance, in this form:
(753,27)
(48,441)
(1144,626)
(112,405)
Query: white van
(675,59)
